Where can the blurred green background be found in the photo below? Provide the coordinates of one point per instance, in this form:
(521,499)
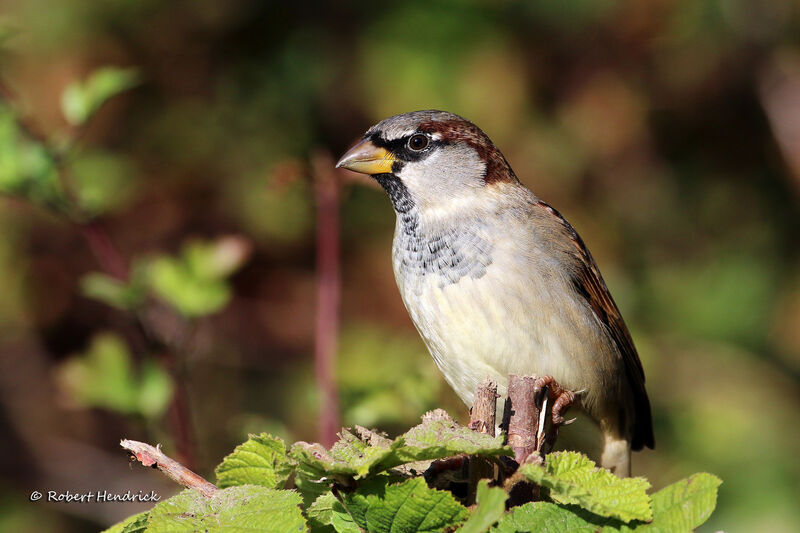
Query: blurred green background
(667,132)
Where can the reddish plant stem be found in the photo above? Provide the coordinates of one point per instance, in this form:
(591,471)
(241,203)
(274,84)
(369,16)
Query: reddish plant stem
(180,421)
(326,186)
(104,251)
(153,456)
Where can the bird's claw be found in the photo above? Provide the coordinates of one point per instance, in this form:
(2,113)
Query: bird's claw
(568,422)
(562,399)
(562,402)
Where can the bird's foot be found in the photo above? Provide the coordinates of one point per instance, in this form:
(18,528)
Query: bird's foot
(562,399)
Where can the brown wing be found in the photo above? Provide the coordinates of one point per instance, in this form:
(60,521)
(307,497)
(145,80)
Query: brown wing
(590,284)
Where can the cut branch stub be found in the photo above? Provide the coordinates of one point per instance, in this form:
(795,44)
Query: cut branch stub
(483,419)
(522,411)
(483,415)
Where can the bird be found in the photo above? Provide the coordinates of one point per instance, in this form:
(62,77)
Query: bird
(497,282)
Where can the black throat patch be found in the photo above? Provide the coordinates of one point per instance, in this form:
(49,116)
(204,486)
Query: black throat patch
(397,191)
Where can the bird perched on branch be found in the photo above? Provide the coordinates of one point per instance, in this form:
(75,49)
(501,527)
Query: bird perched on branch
(497,282)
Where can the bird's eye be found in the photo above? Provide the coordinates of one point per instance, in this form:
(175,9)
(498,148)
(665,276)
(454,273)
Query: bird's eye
(418,142)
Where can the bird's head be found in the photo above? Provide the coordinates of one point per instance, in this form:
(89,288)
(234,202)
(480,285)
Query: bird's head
(428,159)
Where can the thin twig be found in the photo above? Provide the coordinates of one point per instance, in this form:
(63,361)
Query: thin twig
(29,127)
(96,237)
(153,456)
(326,186)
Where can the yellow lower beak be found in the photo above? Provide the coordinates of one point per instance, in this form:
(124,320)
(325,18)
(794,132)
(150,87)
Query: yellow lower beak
(367,158)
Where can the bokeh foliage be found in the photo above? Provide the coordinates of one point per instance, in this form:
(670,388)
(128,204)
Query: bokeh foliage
(658,128)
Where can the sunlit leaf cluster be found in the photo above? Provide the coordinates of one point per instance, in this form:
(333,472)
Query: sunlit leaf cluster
(356,486)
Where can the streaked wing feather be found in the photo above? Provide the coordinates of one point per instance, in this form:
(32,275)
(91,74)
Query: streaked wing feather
(589,283)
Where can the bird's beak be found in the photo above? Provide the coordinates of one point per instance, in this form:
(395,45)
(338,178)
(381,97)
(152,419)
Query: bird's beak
(367,158)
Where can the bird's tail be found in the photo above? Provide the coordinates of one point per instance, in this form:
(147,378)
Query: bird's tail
(616,455)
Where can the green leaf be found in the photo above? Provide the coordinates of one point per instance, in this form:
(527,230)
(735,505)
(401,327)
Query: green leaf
(543,517)
(342,522)
(439,436)
(104,377)
(351,457)
(133,524)
(155,389)
(320,513)
(195,283)
(217,259)
(311,484)
(261,460)
(27,169)
(137,525)
(242,509)
(682,506)
(112,291)
(80,100)
(491,507)
(102,181)
(408,506)
(174,282)
(366,452)
(573,478)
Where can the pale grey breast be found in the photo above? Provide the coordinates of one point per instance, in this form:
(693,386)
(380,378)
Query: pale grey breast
(447,253)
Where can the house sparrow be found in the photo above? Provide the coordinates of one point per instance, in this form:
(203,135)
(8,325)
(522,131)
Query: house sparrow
(497,282)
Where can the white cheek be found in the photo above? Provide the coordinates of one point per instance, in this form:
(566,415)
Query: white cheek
(447,173)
